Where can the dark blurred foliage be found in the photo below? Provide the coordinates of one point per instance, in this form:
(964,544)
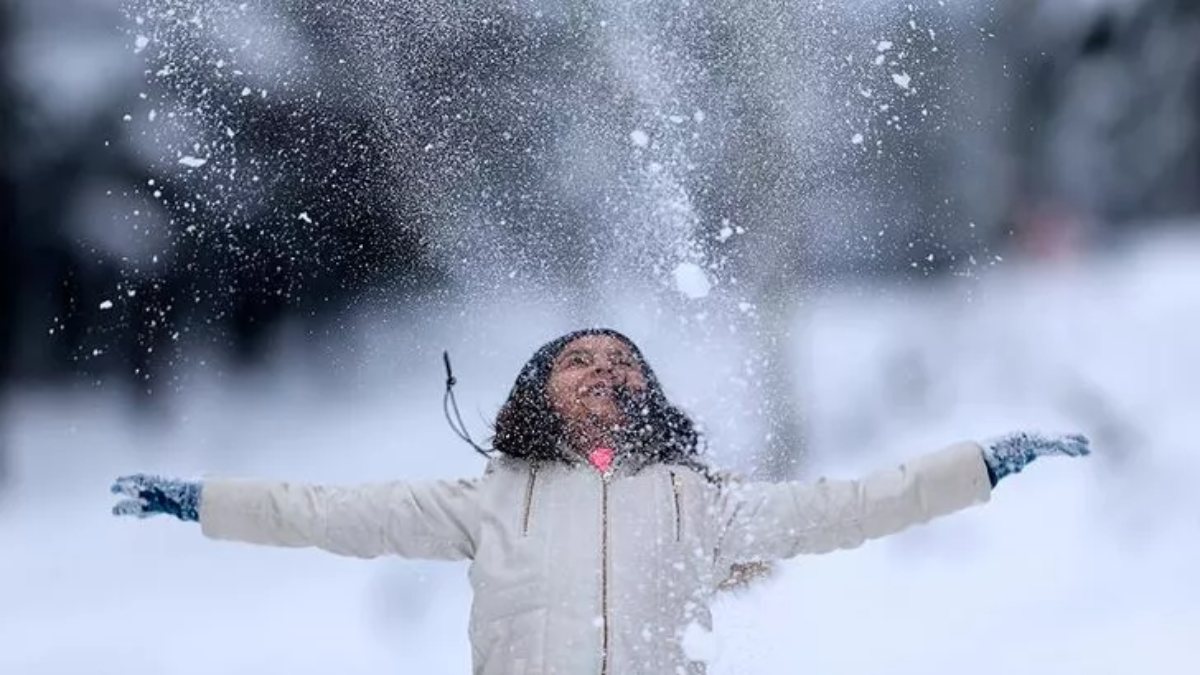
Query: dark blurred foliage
(250,266)
(1106,113)
(9,258)
(9,255)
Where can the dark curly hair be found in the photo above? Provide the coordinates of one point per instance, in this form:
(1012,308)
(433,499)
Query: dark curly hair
(528,427)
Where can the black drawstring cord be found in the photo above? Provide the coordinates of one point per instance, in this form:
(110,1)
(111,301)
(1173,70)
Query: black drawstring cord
(449,401)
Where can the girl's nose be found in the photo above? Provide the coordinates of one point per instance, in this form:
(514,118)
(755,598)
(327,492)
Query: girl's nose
(604,366)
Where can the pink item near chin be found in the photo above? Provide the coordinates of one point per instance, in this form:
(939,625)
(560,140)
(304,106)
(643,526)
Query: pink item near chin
(601,458)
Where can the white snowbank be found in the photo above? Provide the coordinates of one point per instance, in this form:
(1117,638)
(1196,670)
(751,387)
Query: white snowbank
(1083,567)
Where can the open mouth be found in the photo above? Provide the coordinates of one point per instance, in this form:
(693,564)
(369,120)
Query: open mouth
(597,391)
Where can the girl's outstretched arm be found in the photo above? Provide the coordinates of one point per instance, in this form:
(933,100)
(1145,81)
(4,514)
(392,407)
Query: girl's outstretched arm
(769,521)
(431,519)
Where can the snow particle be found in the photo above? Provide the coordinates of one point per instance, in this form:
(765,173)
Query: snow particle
(691,281)
(883,45)
(140,42)
(857,139)
(193,162)
(107,304)
(902,80)
(639,138)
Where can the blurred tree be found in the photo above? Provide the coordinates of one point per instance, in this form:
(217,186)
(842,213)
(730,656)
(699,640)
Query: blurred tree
(9,262)
(1104,116)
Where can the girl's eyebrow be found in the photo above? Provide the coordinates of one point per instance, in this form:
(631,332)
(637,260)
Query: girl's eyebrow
(624,353)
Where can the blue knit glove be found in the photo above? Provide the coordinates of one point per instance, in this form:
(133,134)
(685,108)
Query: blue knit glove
(152,495)
(1011,452)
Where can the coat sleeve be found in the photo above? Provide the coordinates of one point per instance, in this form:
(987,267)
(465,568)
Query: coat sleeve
(771,521)
(432,519)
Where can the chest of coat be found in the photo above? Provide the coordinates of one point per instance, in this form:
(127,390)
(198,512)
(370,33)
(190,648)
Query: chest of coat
(659,508)
(629,557)
(569,535)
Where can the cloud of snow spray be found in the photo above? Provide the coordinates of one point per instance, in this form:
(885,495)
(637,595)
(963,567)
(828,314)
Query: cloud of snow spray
(648,163)
(662,229)
(672,91)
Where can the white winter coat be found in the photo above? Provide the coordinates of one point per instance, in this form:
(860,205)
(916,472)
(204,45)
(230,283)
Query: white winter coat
(574,573)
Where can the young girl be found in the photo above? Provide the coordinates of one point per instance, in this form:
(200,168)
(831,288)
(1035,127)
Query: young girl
(596,534)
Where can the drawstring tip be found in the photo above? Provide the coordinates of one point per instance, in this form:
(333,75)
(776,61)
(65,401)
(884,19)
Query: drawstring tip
(450,381)
(448,402)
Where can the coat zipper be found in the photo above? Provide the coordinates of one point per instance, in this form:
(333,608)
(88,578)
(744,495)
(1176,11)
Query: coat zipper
(678,510)
(528,500)
(604,572)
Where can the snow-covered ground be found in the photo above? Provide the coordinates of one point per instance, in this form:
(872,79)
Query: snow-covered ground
(1074,567)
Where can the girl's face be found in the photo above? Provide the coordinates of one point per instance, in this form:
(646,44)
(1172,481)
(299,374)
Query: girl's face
(584,377)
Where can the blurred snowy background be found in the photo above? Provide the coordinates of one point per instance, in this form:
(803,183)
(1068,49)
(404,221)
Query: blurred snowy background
(237,236)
